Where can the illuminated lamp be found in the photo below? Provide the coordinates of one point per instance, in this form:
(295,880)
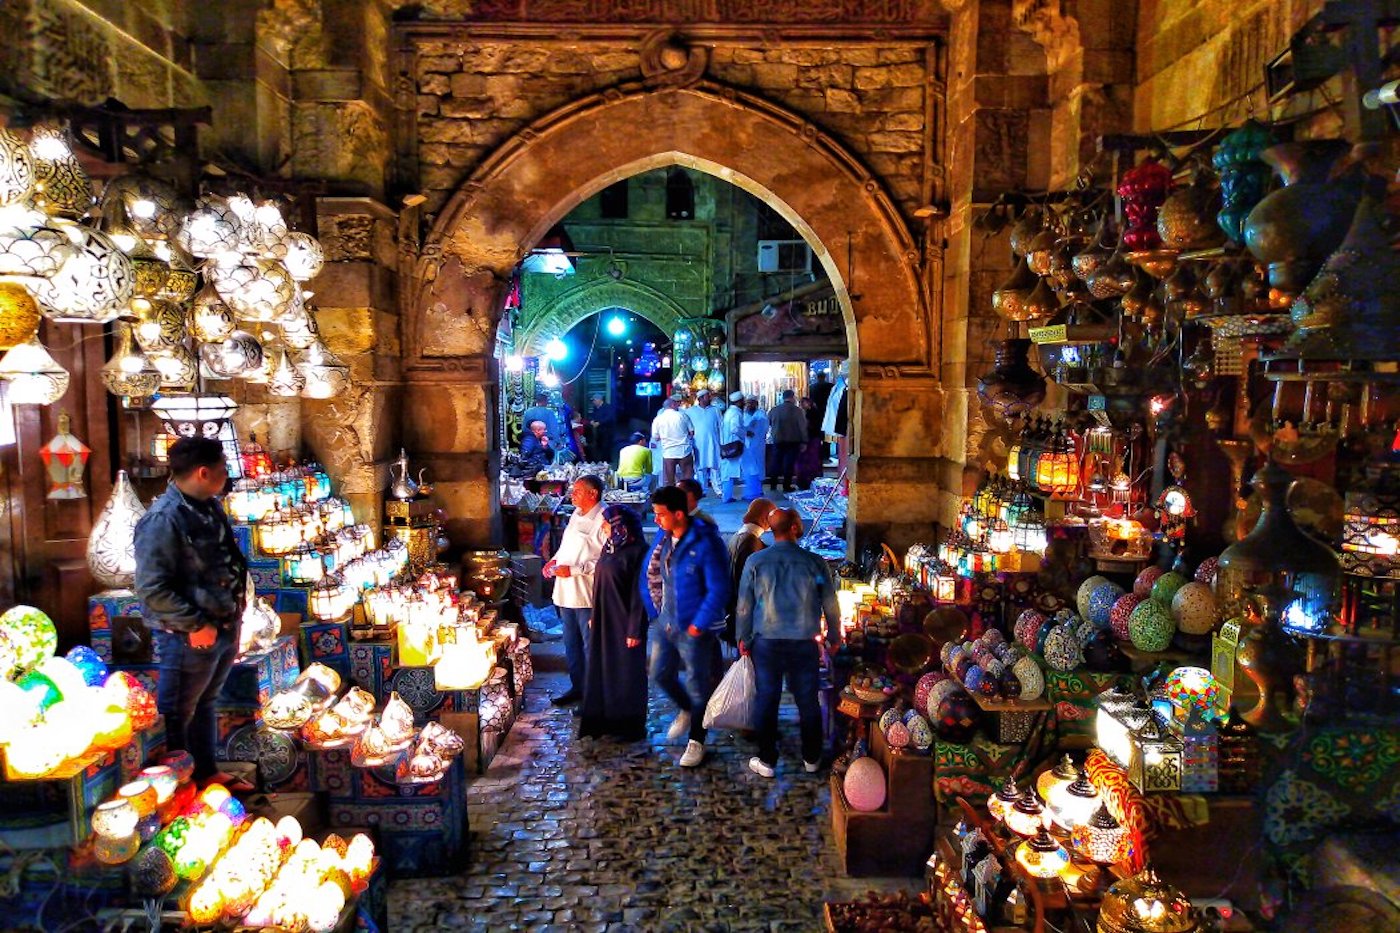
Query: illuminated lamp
(163,779)
(178,369)
(1003,800)
(1135,738)
(1027,816)
(1063,774)
(210,231)
(115,818)
(1371,529)
(41,687)
(125,691)
(303,256)
(1000,538)
(16,169)
(116,850)
(945,584)
(330,599)
(325,678)
(259,627)
(112,728)
(1075,802)
(1143,904)
(249,501)
(465,664)
(89,664)
(182,763)
(94,286)
(258,290)
(1101,838)
(302,566)
(326,376)
(61,186)
(1041,856)
(1194,694)
(19,313)
(34,377)
(150,206)
(1175,502)
(130,373)
(141,795)
(240,354)
(285,380)
(257,462)
(160,326)
(160,445)
(195,415)
(210,319)
(65,458)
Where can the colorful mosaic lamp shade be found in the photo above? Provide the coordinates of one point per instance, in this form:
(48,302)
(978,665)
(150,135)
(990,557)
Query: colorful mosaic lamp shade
(115,818)
(1194,694)
(89,664)
(65,458)
(1101,838)
(1041,856)
(1027,817)
(30,633)
(111,548)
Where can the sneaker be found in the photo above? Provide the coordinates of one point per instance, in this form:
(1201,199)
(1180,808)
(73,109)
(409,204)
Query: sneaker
(757,766)
(679,727)
(811,767)
(694,754)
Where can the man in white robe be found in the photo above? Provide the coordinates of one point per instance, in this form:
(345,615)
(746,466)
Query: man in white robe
(670,436)
(704,426)
(754,462)
(731,430)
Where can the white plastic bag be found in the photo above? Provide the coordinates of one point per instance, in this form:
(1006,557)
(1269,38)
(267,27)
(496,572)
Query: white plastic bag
(731,705)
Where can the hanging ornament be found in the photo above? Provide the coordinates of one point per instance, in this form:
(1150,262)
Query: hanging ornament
(160,325)
(150,206)
(210,231)
(286,381)
(111,549)
(326,376)
(61,187)
(32,248)
(303,256)
(181,281)
(210,319)
(256,289)
(34,376)
(130,373)
(65,457)
(16,169)
(92,287)
(267,235)
(1244,176)
(237,355)
(178,369)
(298,325)
(19,314)
(1143,189)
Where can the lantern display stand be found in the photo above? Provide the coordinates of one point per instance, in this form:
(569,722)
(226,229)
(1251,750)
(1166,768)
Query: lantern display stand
(896,838)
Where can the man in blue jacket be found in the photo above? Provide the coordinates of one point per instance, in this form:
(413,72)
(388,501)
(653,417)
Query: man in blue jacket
(784,595)
(692,564)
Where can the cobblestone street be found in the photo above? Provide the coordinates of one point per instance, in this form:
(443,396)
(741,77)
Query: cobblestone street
(583,834)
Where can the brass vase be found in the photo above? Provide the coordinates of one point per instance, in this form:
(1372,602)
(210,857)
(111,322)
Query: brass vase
(1012,389)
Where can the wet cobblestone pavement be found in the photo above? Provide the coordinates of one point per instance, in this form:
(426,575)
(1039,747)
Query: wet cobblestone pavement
(587,834)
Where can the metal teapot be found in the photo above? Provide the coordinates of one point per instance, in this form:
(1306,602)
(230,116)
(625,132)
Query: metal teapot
(403,487)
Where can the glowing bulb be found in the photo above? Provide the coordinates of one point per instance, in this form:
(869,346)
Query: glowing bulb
(556,350)
(617,326)
(550,380)
(514,363)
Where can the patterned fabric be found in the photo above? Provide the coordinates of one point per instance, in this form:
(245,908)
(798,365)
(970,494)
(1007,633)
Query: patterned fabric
(1298,811)
(1144,817)
(1354,760)
(624,526)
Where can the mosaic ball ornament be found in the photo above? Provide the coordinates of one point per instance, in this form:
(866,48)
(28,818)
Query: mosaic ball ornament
(1062,649)
(1193,689)
(1030,678)
(9,656)
(963,666)
(1150,627)
(237,355)
(1043,635)
(93,287)
(940,692)
(972,680)
(1205,571)
(1101,601)
(897,734)
(1118,616)
(994,637)
(982,655)
(1005,653)
(921,689)
(990,687)
(945,653)
(1165,589)
(920,734)
(1027,627)
(994,668)
(889,716)
(864,784)
(31,632)
(1195,609)
(89,664)
(1142,586)
(1081,595)
(152,873)
(1084,630)
(958,718)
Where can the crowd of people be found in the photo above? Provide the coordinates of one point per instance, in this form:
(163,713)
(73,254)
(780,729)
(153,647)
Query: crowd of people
(661,613)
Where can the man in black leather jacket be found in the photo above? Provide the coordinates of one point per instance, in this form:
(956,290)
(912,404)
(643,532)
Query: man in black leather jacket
(192,581)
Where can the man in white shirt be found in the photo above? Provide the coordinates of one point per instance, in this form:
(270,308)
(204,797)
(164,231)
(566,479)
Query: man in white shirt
(572,570)
(704,422)
(670,433)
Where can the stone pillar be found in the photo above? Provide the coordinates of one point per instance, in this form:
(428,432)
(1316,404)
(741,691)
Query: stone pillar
(898,422)
(356,434)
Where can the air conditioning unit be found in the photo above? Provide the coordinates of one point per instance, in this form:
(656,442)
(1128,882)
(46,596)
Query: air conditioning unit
(784,256)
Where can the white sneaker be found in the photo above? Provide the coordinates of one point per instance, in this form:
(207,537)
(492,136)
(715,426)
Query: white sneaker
(694,754)
(679,726)
(811,767)
(757,766)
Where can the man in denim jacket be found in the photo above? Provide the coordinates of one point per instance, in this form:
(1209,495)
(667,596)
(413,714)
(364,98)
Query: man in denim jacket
(691,565)
(192,581)
(784,594)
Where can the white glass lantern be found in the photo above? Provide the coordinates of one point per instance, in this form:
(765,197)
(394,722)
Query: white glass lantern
(129,373)
(326,376)
(16,169)
(285,380)
(178,369)
(330,599)
(303,256)
(237,355)
(35,378)
(210,319)
(94,286)
(211,231)
(111,548)
(1075,802)
(61,186)
(195,415)
(256,289)
(31,247)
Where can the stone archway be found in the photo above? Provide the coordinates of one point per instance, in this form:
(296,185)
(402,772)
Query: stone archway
(591,297)
(821,188)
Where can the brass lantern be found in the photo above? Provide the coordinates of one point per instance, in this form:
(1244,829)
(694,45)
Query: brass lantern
(1143,904)
(65,457)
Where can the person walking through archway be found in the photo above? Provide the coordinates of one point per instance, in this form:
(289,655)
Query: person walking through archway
(789,427)
(572,571)
(615,687)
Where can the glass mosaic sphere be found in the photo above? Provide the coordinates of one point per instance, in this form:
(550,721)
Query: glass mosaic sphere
(1150,627)
(31,632)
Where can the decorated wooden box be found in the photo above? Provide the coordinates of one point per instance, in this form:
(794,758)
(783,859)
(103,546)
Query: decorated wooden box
(116,630)
(419,830)
(266,573)
(327,643)
(144,749)
(290,599)
(256,677)
(1200,764)
(372,665)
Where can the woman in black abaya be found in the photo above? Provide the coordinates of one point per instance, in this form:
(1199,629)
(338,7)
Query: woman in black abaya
(615,687)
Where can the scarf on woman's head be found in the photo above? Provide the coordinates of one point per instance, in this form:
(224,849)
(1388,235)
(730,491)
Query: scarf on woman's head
(624,526)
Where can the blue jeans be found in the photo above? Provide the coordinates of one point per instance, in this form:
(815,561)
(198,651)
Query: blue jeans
(575,644)
(674,647)
(799,660)
(190,682)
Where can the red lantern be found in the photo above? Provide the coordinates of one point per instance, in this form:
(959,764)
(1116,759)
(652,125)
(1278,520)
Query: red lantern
(1143,189)
(65,457)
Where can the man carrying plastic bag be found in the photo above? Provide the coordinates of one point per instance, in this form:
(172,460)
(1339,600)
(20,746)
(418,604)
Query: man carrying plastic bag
(784,594)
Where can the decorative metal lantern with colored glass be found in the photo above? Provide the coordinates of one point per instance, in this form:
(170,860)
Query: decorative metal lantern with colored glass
(257,462)
(1139,743)
(111,548)
(302,566)
(1144,904)
(65,458)
(330,599)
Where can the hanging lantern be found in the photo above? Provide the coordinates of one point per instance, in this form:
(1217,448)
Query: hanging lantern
(256,289)
(150,205)
(257,462)
(326,376)
(35,378)
(237,355)
(16,169)
(31,247)
(180,281)
(65,457)
(303,256)
(210,319)
(61,187)
(211,231)
(149,271)
(298,325)
(195,415)
(285,380)
(178,369)
(130,373)
(19,314)
(330,599)
(111,548)
(268,232)
(94,286)
(160,325)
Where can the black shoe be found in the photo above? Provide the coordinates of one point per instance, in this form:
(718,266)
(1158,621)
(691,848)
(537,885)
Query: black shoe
(566,699)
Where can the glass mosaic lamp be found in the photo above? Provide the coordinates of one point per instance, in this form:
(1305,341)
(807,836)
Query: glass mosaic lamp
(1062,774)
(1003,800)
(163,779)
(31,635)
(1041,856)
(1101,838)
(89,664)
(34,377)
(1027,817)
(115,818)
(1144,904)
(141,795)
(1075,802)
